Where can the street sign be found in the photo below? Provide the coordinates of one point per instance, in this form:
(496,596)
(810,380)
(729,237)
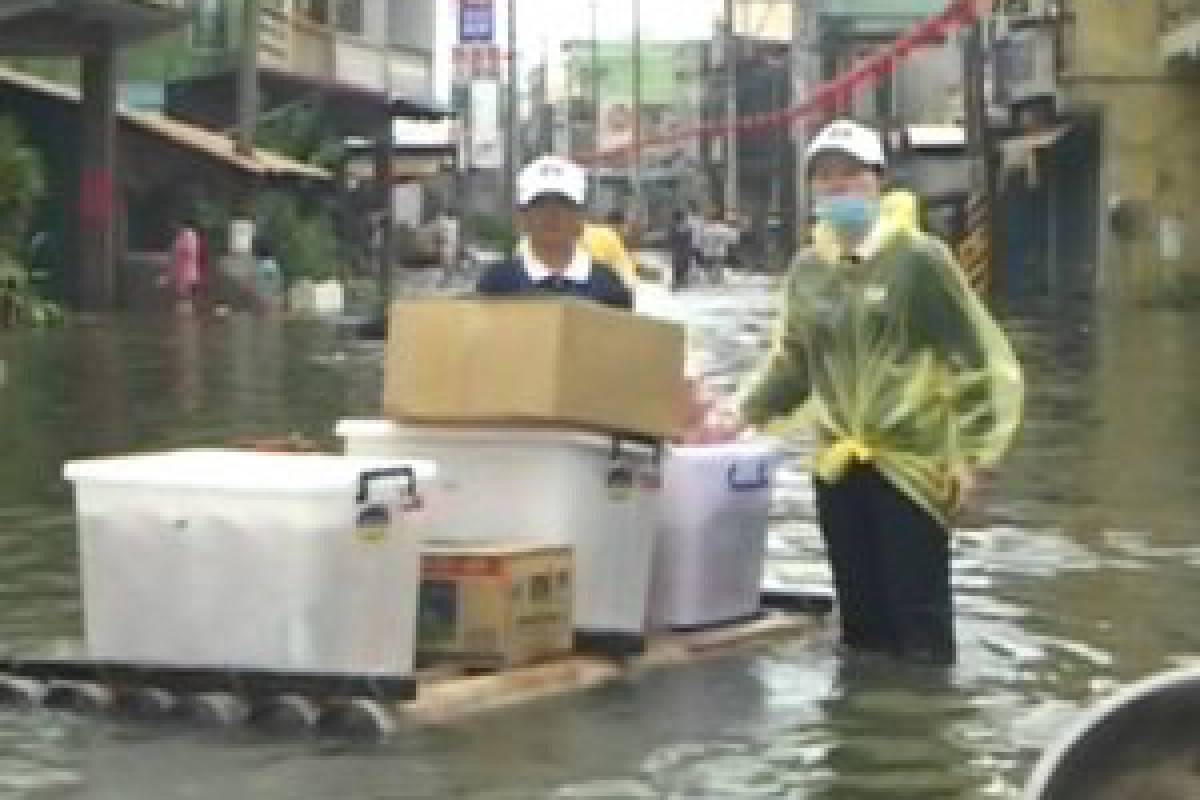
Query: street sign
(487,143)
(476,21)
(476,62)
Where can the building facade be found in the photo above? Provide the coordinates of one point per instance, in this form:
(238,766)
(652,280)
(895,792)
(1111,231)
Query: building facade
(599,97)
(1134,65)
(377,45)
(925,88)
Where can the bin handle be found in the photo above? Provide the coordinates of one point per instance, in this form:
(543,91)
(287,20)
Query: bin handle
(366,476)
(655,445)
(760,480)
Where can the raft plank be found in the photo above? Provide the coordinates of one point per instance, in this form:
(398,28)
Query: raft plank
(442,698)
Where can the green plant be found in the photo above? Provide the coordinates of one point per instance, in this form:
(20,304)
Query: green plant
(212,219)
(494,230)
(300,131)
(22,186)
(19,304)
(303,241)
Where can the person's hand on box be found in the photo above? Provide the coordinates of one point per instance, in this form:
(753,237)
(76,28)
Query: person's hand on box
(706,421)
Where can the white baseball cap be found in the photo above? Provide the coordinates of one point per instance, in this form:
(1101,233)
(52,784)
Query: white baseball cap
(847,136)
(552,175)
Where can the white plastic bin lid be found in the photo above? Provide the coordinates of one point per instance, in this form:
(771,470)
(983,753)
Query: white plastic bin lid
(382,428)
(727,451)
(365,428)
(238,470)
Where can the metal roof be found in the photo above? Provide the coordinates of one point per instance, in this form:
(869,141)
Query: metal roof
(263,163)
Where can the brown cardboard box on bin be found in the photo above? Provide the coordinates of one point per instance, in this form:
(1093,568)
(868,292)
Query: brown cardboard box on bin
(533,361)
(495,605)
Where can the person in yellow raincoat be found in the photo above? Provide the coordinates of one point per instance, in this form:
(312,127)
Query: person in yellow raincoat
(603,242)
(908,385)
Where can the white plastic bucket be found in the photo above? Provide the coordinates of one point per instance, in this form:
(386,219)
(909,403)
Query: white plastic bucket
(716,501)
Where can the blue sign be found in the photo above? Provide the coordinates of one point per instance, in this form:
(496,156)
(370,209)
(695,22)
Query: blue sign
(476,21)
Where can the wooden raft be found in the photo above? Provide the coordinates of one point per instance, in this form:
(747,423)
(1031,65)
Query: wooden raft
(444,695)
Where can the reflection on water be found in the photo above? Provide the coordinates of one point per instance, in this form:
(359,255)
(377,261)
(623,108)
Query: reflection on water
(1076,572)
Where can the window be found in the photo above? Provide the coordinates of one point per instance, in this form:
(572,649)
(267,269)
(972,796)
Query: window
(1014,7)
(350,16)
(209,30)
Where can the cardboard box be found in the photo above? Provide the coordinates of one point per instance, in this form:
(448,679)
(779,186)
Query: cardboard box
(495,605)
(529,361)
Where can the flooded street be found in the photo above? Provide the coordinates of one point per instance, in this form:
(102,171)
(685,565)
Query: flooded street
(1077,570)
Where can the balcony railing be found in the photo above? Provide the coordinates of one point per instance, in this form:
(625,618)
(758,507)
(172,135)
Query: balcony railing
(293,43)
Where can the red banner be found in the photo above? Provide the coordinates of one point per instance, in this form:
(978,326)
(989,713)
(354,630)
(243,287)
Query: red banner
(834,95)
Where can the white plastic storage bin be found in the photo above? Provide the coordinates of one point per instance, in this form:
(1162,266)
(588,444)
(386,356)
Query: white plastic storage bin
(232,559)
(596,493)
(708,567)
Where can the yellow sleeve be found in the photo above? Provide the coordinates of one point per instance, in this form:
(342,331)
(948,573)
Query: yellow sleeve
(782,385)
(991,385)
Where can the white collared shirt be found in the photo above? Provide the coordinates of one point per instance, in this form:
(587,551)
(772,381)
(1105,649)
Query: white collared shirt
(578,271)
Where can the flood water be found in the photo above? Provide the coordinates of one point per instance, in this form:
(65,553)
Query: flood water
(1078,570)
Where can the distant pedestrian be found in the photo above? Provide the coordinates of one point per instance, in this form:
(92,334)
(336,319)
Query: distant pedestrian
(680,240)
(716,239)
(203,267)
(268,279)
(185,263)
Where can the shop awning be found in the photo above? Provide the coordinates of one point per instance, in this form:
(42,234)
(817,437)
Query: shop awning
(210,100)
(1181,44)
(210,144)
(68,27)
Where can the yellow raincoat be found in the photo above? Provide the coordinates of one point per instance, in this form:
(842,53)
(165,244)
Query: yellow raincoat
(604,245)
(894,361)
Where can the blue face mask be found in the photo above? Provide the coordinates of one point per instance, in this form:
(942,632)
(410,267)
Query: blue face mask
(850,214)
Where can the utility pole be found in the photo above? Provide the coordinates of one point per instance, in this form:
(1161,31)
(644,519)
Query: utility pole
(247,98)
(805,75)
(595,73)
(983,188)
(731,111)
(510,134)
(241,231)
(637,114)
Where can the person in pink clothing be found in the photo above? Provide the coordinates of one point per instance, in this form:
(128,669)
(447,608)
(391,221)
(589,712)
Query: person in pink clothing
(185,262)
(202,265)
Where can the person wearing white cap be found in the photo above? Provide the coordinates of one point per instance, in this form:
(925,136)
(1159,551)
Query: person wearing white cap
(909,385)
(551,259)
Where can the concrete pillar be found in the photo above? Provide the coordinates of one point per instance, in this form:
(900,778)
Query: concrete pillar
(96,267)
(383,185)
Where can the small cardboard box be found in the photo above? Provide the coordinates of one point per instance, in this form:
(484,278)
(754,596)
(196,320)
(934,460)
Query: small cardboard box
(523,361)
(495,605)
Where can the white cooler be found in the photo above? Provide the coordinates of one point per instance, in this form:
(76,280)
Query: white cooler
(591,491)
(712,539)
(232,559)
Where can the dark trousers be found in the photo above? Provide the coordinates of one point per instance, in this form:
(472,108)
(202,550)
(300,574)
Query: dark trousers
(680,264)
(891,568)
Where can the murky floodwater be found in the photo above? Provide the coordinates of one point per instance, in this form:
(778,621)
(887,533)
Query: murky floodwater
(1077,571)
